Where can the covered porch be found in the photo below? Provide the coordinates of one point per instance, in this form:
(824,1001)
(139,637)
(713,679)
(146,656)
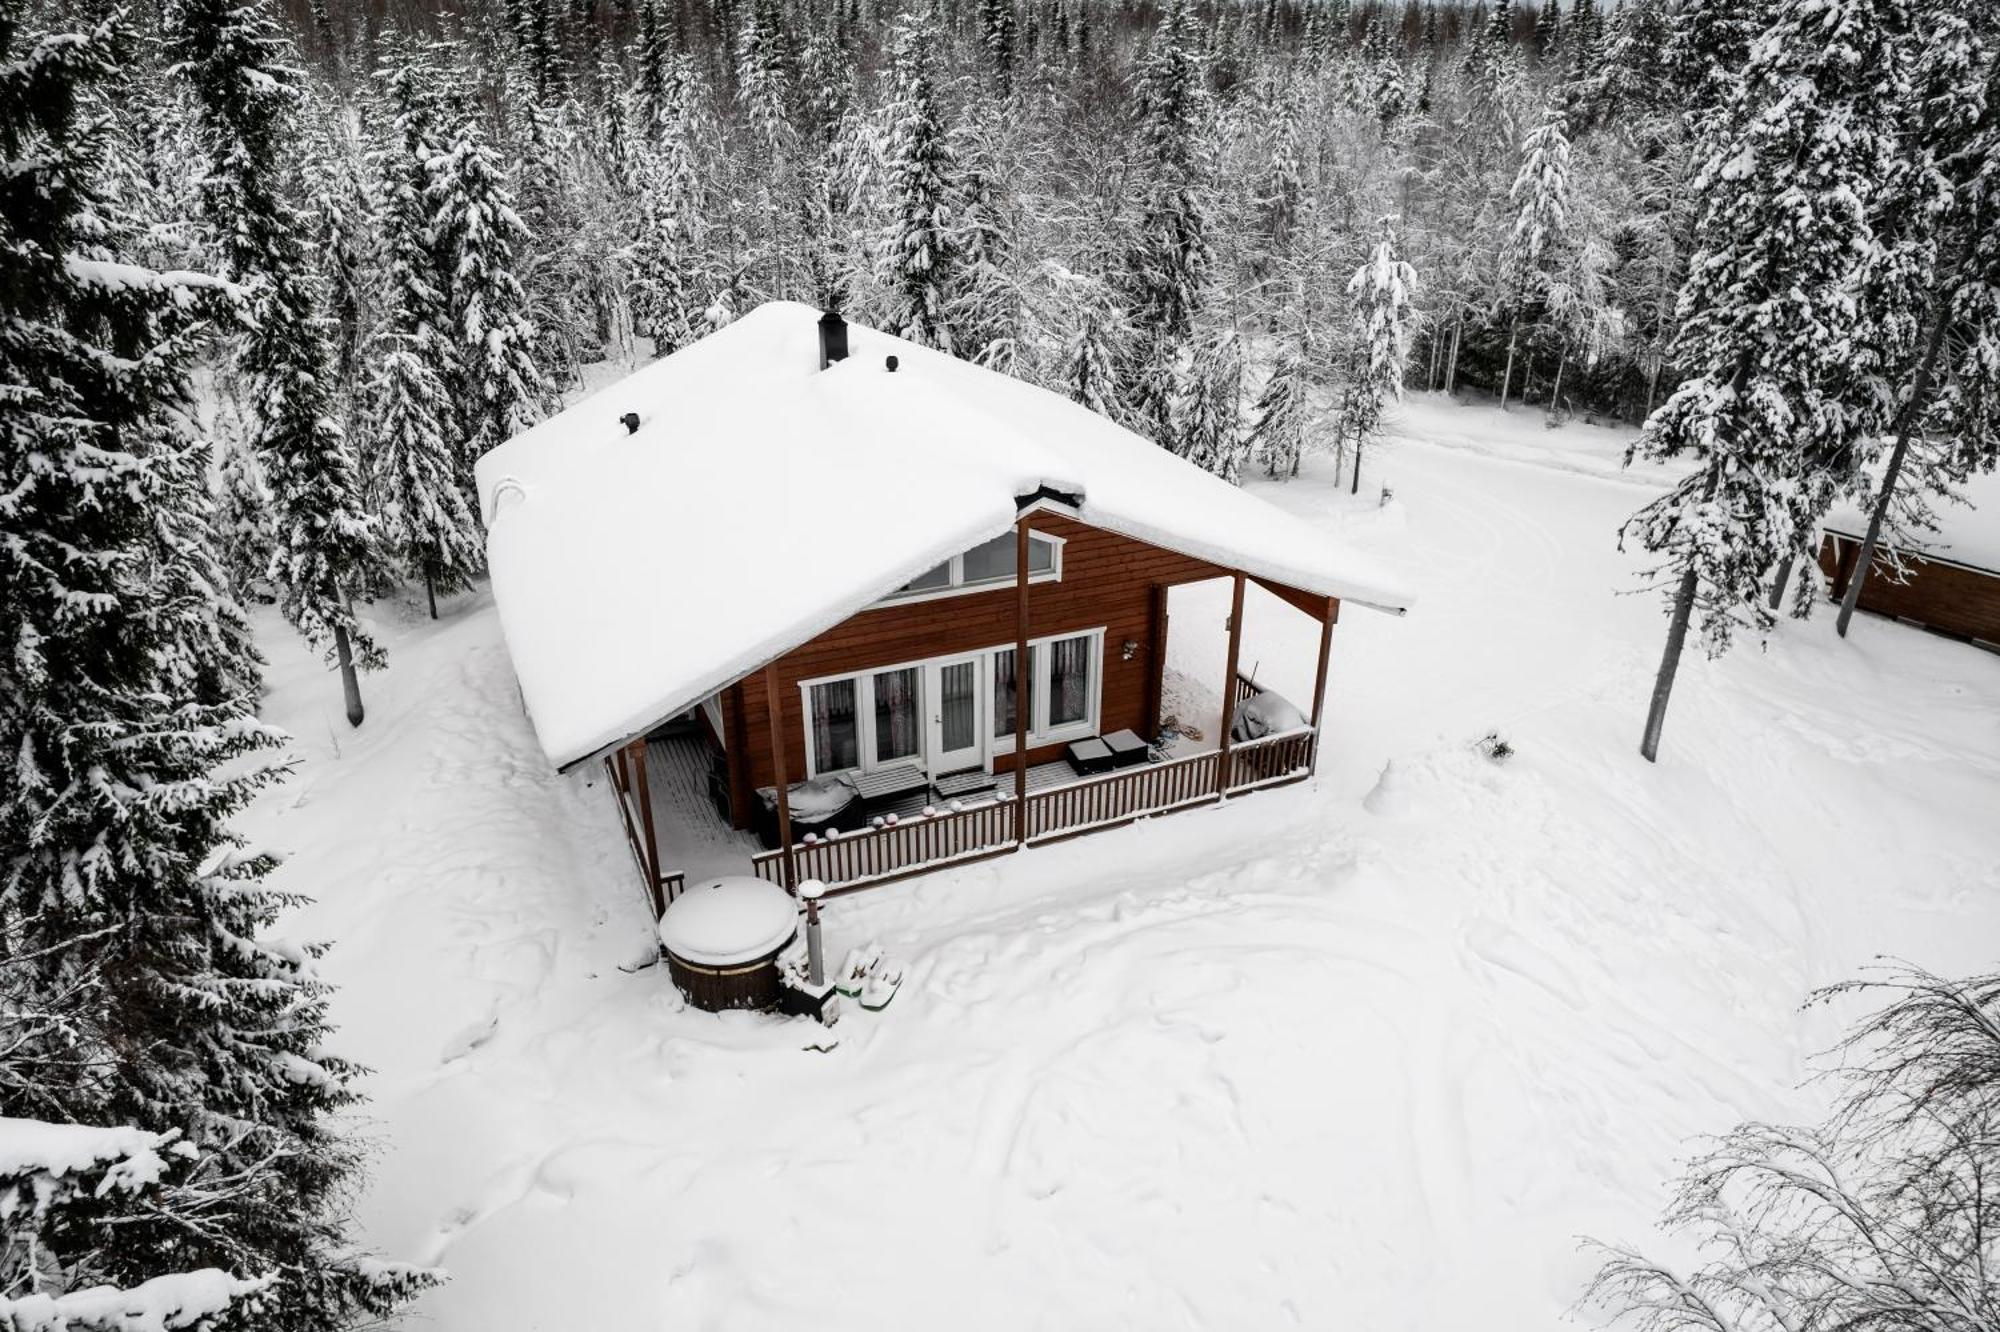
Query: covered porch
(675,795)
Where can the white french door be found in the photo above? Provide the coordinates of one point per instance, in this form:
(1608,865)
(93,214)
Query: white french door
(955,692)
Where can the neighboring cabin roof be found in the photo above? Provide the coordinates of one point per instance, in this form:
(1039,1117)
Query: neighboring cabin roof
(763,501)
(1967,533)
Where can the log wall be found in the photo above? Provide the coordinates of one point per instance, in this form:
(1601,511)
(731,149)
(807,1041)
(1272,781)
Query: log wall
(1107,580)
(1950,598)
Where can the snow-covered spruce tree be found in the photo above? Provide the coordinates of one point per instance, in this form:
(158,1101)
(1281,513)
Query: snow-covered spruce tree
(245,87)
(245,520)
(537,35)
(1207,408)
(1383,292)
(1548,29)
(923,256)
(1885,1215)
(986,313)
(1168,260)
(61,1181)
(1283,412)
(1284,182)
(999,35)
(1097,333)
(477,237)
(1541,229)
(1169,264)
(1782,388)
(667,301)
(346,213)
(1940,278)
(429,521)
(122,890)
(654,48)
(416,314)
(558,196)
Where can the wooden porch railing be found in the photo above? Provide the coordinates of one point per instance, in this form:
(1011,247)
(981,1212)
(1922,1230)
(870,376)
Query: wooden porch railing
(1118,797)
(661,888)
(1272,759)
(877,855)
(920,844)
(1246,688)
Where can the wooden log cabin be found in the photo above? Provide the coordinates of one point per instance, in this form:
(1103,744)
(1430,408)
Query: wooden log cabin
(823,552)
(1947,580)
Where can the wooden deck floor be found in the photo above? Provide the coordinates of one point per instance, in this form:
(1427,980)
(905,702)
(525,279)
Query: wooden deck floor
(693,837)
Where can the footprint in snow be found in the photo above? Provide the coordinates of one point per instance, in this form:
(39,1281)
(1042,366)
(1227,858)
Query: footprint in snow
(469,1038)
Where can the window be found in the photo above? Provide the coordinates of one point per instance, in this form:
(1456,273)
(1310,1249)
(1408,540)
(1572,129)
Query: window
(1064,678)
(1003,691)
(896,735)
(932,581)
(992,562)
(928,712)
(835,734)
(988,564)
(1069,681)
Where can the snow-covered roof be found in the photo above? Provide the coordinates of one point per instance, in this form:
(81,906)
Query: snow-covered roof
(762,501)
(1967,533)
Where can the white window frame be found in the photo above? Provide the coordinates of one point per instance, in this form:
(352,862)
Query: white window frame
(1040,733)
(958,587)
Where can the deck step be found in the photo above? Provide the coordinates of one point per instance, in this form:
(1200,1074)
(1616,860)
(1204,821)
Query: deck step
(970,782)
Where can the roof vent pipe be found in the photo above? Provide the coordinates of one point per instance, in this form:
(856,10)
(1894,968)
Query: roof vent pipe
(832,338)
(631,422)
(892,363)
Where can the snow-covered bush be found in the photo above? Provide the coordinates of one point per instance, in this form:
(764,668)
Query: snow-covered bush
(1886,1215)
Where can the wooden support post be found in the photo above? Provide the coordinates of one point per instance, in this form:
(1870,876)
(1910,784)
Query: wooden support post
(736,744)
(777,715)
(1021,694)
(638,748)
(1156,665)
(1319,679)
(1229,681)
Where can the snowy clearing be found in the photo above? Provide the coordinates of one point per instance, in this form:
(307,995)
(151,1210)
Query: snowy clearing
(1368,1052)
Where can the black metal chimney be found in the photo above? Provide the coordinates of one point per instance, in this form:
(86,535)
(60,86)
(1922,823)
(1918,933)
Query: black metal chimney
(832,338)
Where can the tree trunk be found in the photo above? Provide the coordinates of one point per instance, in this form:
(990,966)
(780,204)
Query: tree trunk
(350,683)
(430,591)
(1906,425)
(1850,596)
(1437,348)
(1556,393)
(1653,386)
(1670,662)
(1451,366)
(1355,488)
(1784,576)
(1507,379)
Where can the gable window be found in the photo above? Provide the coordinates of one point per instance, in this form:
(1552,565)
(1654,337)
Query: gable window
(988,564)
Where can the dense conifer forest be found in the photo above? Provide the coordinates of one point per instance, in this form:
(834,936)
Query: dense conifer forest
(272,280)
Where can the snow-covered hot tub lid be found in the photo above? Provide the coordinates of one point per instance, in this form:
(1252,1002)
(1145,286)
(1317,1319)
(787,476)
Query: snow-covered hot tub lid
(727,921)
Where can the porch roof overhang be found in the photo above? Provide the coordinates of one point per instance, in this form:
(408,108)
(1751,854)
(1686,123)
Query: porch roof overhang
(762,501)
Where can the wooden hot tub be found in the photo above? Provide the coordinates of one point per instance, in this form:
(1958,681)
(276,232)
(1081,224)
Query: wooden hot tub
(722,939)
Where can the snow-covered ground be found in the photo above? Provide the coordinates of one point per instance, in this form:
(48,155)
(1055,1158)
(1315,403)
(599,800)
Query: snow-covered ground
(1367,1052)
